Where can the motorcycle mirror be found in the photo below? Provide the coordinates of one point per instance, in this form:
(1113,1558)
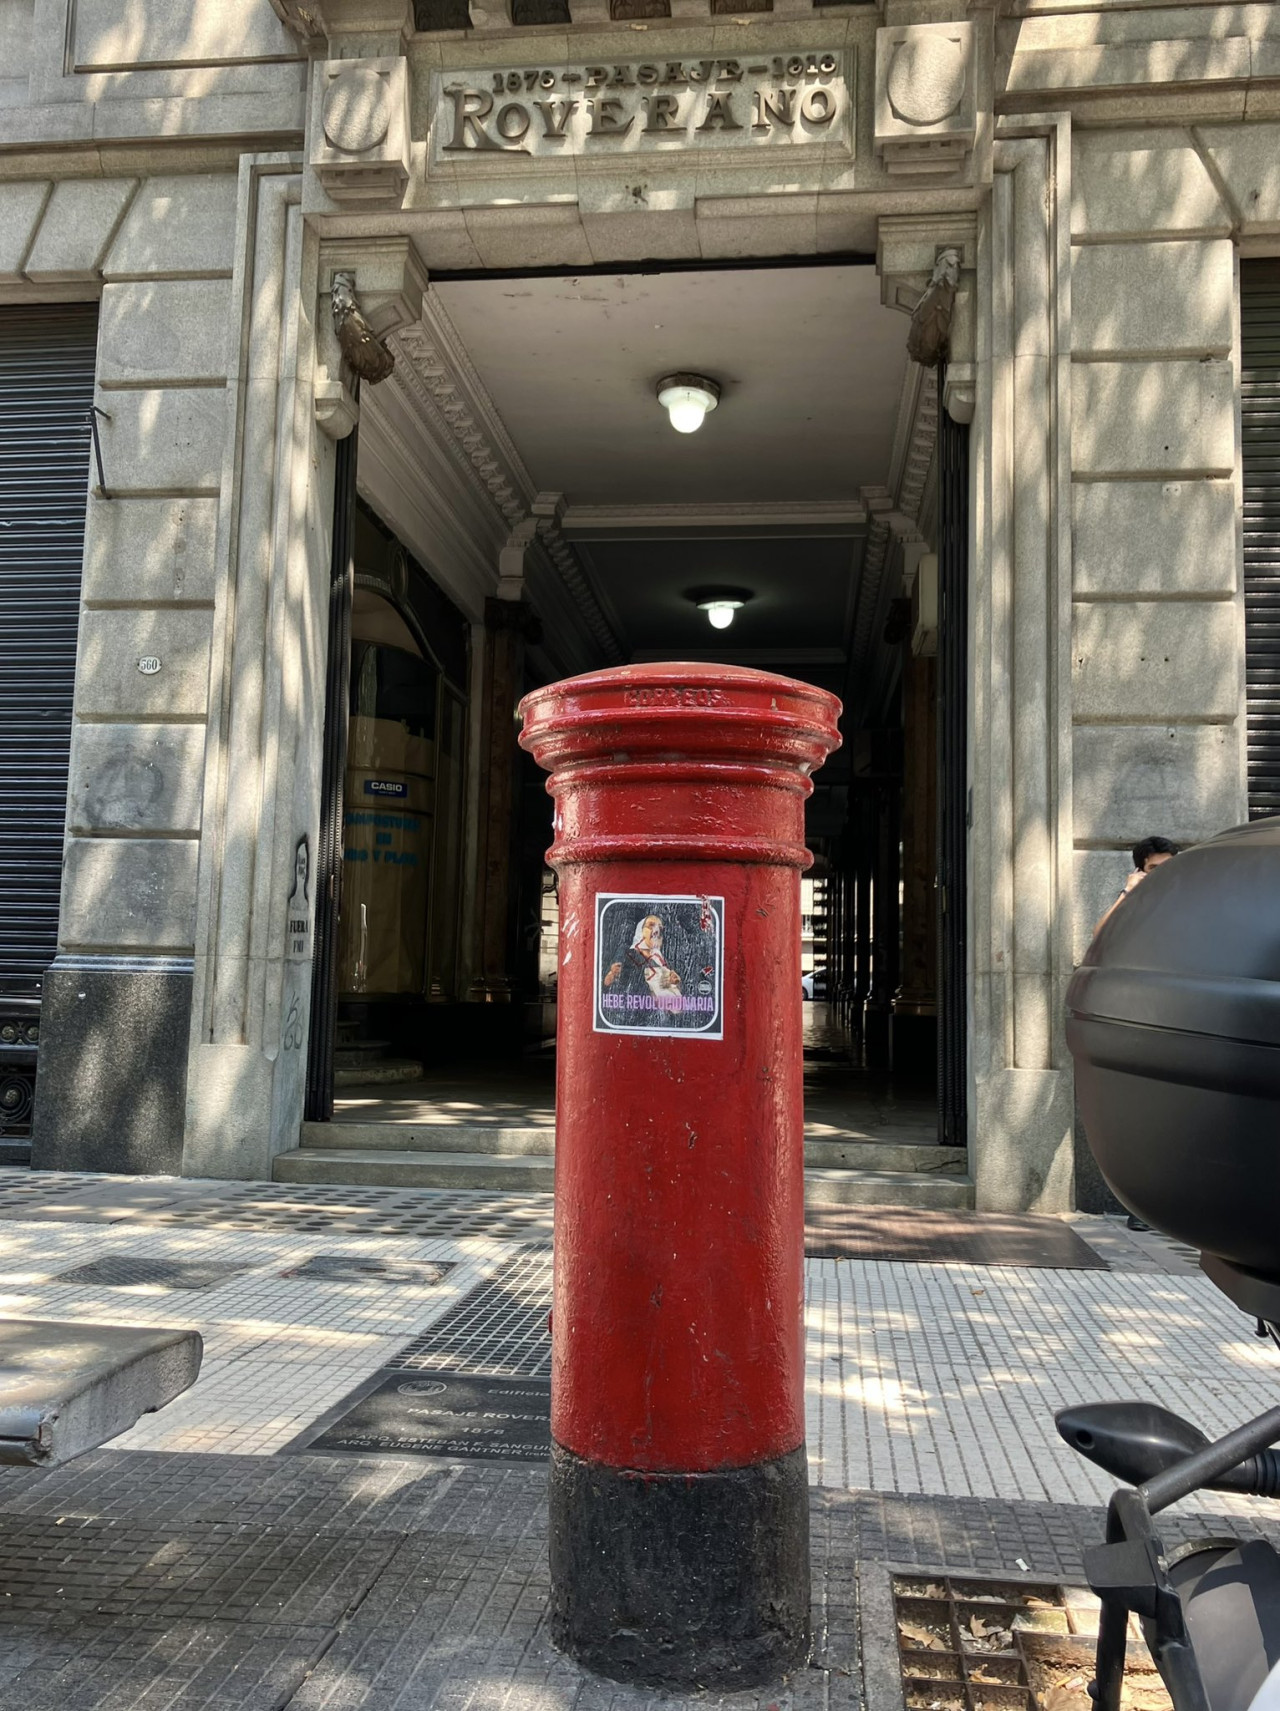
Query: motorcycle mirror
(1134,1441)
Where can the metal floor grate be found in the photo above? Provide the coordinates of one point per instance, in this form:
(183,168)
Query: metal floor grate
(1007,1645)
(500,1327)
(131,1271)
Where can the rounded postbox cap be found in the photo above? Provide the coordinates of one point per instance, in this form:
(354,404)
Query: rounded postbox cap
(688,710)
(718,756)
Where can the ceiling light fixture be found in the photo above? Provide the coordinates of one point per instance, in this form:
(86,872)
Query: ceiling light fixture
(719,604)
(686,398)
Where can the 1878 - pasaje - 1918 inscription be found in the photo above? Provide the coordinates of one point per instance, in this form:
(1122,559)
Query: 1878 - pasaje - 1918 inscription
(643,105)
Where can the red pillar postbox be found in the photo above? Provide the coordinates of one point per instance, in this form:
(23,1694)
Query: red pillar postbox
(679,1489)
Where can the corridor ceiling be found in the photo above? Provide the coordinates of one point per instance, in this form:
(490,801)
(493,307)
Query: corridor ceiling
(801,608)
(809,362)
(766,495)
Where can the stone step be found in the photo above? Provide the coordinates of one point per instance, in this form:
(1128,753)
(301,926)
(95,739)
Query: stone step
(925,1160)
(822,1153)
(430,1138)
(385,1072)
(401,1168)
(357,1167)
(887,1188)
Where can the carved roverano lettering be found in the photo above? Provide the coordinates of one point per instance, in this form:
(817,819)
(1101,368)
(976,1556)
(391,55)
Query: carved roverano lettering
(780,99)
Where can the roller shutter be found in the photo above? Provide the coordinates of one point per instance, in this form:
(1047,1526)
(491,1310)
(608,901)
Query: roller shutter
(1260,427)
(47,359)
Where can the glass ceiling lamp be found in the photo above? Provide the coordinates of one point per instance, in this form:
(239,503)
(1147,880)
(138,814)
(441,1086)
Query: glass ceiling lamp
(686,398)
(719,604)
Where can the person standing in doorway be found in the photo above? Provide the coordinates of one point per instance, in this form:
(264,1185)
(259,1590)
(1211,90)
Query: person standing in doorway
(1148,855)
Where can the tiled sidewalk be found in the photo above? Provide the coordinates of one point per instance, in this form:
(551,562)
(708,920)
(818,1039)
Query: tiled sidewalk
(191,1567)
(932,1379)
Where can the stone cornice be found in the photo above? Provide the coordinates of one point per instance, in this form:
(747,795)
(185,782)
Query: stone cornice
(449,526)
(446,387)
(682,522)
(894,513)
(438,377)
(562,556)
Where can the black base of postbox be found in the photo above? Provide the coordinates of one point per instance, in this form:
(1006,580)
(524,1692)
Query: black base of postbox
(681,1580)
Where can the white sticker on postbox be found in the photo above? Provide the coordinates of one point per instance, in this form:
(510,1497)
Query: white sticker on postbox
(659,965)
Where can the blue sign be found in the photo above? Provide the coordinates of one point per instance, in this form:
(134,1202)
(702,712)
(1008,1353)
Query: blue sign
(385,787)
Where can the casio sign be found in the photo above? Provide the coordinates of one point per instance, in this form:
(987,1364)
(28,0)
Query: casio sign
(392,787)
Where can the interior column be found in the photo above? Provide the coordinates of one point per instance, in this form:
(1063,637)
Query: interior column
(507,626)
(915,1005)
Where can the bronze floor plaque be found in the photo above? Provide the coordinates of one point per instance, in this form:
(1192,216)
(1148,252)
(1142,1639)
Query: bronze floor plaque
(934,1237)
(446,1414)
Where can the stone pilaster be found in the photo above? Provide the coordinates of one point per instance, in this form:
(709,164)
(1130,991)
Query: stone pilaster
(1020,758)
(259,823)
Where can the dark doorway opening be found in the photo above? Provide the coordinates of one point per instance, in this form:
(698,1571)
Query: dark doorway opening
(794,492)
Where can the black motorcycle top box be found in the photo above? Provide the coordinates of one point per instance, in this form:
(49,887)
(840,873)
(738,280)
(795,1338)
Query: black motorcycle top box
(1174,1025)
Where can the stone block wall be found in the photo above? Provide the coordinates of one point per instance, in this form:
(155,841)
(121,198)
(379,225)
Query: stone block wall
(158,250)
(1157,613)
(149,573)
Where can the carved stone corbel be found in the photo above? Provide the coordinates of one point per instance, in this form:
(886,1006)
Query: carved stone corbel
(304,17)
(930,336)
(337,411)
(387,281)
(511,564)
(959,385)
(920,253)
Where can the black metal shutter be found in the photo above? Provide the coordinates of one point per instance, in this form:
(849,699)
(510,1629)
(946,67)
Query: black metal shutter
(47,359)
(953,790)
(1260,427)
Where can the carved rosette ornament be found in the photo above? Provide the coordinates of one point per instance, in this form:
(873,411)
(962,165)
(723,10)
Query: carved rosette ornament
(360,129)
(926,116)
(357,110)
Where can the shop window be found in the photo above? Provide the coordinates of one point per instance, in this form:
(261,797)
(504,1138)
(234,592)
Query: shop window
(389,820)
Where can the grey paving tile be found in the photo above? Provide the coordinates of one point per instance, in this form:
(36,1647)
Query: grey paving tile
(161,1489)
(397,1588)
(212,1573)
(459,1622)
(99,1664)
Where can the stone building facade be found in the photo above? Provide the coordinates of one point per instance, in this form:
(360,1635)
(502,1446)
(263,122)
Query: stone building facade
(203,171)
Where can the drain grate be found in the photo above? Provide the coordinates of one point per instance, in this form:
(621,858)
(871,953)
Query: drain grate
(131,1271)
(499,1327)
(1007,1645)
(354,1268)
